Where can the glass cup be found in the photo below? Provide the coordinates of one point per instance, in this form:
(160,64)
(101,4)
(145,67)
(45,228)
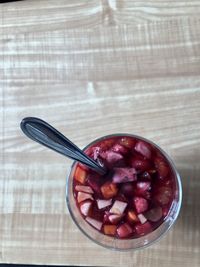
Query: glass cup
(124,244)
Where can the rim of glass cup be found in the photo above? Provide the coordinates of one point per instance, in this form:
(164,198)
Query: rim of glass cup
(179,187)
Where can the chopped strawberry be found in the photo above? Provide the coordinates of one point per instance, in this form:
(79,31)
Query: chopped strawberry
(143,189)
(161,167)
(85,207)
(140,164)
(109,229)
(123,175)
(96,224)
(143,186)
(124,230)
(83,188)
(127,189)
(102,203)
(146,175)
(119,149)
(128,142)
(143,229)
(132,217)
(83,196)
(144,149)
(142,218)
(165,211)
(164,195)
(107,144)
(109,190)
(94,181)
(141,204)
(154,214)
(80,175)
(118,207)
(114,218)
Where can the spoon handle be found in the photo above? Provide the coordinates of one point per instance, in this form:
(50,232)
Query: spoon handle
(43,133)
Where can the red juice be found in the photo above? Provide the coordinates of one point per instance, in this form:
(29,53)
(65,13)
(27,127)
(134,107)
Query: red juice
(135,195)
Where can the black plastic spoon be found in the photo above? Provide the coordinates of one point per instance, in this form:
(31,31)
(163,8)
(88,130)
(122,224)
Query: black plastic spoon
(43,133)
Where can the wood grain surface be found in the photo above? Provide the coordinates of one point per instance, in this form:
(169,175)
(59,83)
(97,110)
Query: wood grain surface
(93,68)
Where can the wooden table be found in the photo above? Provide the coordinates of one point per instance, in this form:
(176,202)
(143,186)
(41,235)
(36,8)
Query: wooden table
(93,68)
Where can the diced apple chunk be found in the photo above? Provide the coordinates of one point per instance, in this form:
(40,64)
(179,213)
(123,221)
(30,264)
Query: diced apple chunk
(123,175)
(142,218)
(109,190)
(103,203)
(84,188)
(80,175)
(112,157)
(124,230)
(85,207)
(144,149)
(109,229)
(96,224)
(118,207)
(83,196)
(115,218)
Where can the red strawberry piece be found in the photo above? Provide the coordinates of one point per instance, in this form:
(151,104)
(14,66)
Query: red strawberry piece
(140,164)
(118,207)
(164,195)
(115,218)
(123,175)
(85,207)
(143,229)
(146,175)
(83,188)
(128,142)
(94,181)
(120,149)
(107,144)
(83,196)
(102,203)
(143,186)
(127,189)
(143,189)
(96,224)
(142,218)
(161,167)
(165,211)
(154,214)
(141,204)
(144,149)
(124,230)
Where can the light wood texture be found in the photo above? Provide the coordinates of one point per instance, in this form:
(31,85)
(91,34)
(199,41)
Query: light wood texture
(92,68)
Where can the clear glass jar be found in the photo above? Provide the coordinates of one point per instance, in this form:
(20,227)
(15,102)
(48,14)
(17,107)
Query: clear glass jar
(124,244)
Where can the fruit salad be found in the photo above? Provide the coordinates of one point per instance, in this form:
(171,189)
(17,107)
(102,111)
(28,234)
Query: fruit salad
(135,195)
